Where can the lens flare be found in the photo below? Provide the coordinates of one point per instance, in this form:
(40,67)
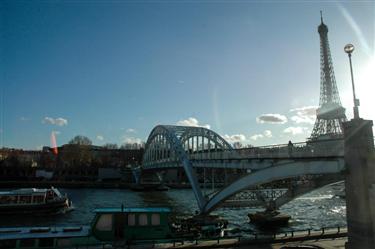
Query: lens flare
(53,143)
(366,88)
(357,30)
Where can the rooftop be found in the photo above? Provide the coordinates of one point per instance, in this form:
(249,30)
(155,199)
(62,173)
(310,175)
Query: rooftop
(134,210)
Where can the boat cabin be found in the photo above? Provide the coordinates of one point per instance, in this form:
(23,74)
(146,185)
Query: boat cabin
(127,224)
(28,196)
(110,225)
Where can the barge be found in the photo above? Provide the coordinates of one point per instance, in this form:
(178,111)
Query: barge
(117,227)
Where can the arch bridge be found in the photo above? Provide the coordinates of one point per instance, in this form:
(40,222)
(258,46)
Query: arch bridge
(188,147)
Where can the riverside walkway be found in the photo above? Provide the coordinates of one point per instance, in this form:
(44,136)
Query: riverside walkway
(324,238)
(321,239)
(313,244)
(332,238)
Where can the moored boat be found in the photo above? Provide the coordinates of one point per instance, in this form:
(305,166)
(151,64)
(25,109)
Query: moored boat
(205,225)
(33,201)
(269,218)
(116,227)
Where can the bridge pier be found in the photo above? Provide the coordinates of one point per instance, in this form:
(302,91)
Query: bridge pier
(360,183)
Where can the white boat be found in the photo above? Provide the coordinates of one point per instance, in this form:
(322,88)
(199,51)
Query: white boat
(34,201)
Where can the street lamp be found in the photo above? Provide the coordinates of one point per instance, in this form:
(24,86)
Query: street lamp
(349,48)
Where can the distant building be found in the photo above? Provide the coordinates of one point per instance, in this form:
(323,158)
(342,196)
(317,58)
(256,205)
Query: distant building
(71,162)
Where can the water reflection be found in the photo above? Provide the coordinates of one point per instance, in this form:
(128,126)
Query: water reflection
(318,209)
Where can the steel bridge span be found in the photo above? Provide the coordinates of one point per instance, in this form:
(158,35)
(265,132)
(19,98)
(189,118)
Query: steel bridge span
(197,147)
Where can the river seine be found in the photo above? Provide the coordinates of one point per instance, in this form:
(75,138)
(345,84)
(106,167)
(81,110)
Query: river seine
(321,208)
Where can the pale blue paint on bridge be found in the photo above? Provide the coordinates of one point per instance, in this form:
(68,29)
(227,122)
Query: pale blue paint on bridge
(277,172)
(193,147)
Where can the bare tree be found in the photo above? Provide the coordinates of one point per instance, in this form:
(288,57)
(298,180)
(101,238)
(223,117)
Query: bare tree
(76,155)
(132,146)
(110,146)
(81,140)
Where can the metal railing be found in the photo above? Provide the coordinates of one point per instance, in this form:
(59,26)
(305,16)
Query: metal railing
(225,241)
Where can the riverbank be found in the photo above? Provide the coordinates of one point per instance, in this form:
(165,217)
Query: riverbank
(338,243)
(329,239)
(86,184)
(63,184)
(323,244)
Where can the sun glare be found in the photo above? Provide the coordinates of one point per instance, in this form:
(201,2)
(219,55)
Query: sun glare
(365,89)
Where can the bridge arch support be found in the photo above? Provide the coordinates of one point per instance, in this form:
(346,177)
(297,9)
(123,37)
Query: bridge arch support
(274,173)
(174,145)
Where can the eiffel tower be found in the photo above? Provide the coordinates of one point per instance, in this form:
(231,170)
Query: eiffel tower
(330,114)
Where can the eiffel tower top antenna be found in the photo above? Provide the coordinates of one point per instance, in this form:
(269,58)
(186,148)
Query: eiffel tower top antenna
(321,16)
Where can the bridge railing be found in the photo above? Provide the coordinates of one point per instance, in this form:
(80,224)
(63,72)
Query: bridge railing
(322,148)
(309,149)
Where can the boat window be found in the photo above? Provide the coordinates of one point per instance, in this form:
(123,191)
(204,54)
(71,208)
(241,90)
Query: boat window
(155,219)
(104,223)
(142,220)
(63,243)
(72,229)
(4,199)
(25,199)
(8,243)
(38,199)
(13,199)
(27,243)
(131,219)
(8,199)
(47,242)
(40,230)
(49,195)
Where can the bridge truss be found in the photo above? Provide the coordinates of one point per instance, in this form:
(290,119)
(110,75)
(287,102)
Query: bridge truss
(175,145)
(197,147)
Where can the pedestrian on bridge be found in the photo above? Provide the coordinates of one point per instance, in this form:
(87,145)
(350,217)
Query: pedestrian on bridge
(290,148)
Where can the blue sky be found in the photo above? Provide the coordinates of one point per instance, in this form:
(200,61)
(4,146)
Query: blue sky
(112,70)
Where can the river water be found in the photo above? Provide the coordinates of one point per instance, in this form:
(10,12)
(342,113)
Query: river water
(321,208)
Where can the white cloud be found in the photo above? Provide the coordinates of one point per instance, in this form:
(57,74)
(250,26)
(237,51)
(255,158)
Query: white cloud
(272,119)
(131,140)
(235,138)
(55,121)
(267,133)
(295,130)
(302,120)
(306,114)
(256,137)
(192,122)
(305,110)
(24,119)
(99,137)
(131,130)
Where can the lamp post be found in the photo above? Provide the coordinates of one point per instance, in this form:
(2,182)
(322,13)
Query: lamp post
(349,48)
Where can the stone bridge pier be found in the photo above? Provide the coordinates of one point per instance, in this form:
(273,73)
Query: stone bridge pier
(360,183)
